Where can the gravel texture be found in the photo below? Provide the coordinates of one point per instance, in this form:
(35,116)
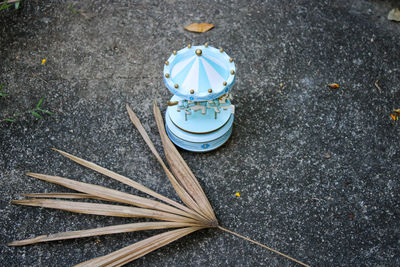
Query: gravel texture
(317,168)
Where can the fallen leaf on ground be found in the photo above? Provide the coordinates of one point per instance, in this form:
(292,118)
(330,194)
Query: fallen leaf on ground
(394,14)
(237,194)
(333,85)
(195,214)
(397,110)
(43,61)
(199,27)
(394,117)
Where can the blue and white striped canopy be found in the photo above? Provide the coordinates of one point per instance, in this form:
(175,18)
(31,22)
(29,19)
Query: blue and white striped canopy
(199,73)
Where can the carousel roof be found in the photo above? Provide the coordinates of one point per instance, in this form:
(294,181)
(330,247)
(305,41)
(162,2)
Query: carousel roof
(199,73)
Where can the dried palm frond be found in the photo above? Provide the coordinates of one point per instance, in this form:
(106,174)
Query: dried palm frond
(196,214)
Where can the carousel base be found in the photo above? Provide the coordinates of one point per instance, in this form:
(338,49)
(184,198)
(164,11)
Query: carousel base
(186,133)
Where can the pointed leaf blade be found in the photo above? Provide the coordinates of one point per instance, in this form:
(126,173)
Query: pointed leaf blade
(125,180)
(63,196)
(115,229)
(103,209)
(39,103)
(109,194)
(180,190)
(138,249)
(181,170)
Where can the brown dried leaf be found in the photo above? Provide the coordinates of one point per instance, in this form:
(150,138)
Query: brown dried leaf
(122,228)
(103,209)
(180,190)
(138,249)
(394,14)
(124,180)
(181,170)
(333,85)
(199,27)
(109,194)
(186,186)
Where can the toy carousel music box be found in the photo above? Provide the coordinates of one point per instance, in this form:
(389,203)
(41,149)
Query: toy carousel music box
(200,115)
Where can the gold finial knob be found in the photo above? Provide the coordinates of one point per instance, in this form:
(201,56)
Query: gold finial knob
(232,72)
(192,91)
(210,90)
(221,50)
(166,62)
(176,85)
(231,60)
(206,44)
(174,52)
(173,103)
(166,75)
(189,45)
(224,83)
(198,52)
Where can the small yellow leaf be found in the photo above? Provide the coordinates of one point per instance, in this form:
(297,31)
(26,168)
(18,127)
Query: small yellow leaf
(199,27)
(237,194)
(393,117)
(43,61)
(333,85)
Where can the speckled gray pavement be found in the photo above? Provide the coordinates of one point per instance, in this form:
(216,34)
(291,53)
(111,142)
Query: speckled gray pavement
(317,168)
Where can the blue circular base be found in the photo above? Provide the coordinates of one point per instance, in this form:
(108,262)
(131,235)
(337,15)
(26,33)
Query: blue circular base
(198,142)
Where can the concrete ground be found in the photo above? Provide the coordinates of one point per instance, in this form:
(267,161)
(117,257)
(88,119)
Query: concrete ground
(317,168)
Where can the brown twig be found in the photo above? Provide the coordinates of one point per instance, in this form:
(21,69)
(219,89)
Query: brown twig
(35,76)
(378,87)
(262,245)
